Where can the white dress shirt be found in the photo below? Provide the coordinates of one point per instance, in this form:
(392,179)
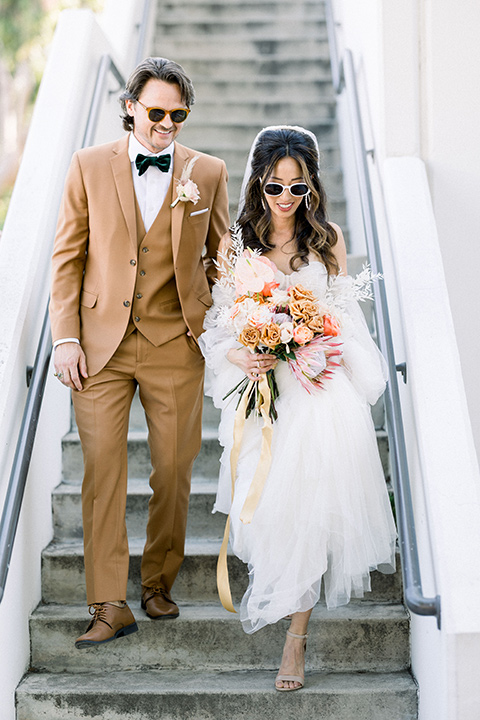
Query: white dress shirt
(150,188)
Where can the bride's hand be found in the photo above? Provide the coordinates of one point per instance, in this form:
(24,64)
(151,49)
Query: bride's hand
(252,364)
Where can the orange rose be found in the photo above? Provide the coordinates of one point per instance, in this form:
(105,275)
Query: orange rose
(302,334)
(268,287)
(250,337)
(303,310)
(271,335)
(298,292)
(331,326)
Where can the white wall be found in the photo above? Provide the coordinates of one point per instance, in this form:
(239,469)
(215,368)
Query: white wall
(450,144)
(417,65)
(56,130)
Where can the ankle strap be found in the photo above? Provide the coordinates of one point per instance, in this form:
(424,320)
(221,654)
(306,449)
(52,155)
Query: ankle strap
(294,635)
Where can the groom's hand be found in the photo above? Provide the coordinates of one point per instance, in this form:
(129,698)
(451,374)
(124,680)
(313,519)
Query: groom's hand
(70,365)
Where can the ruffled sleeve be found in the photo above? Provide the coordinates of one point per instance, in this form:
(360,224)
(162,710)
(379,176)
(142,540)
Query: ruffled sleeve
(363,361)
(215,342)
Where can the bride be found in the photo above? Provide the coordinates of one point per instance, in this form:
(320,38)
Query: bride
(324,513)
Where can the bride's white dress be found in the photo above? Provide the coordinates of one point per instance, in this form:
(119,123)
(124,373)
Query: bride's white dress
(324,512)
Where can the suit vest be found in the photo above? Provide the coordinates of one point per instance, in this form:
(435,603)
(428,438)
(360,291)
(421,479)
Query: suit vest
(156,310)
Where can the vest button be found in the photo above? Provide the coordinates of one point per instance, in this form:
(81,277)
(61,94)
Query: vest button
(137,319)
(133,262)
(144,249)
(126,303)
(139,295)
(142,272)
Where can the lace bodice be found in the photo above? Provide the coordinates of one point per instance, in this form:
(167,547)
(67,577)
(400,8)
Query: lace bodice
(313,277)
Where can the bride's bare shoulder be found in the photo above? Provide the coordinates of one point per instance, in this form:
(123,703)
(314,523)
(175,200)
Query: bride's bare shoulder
(339,249)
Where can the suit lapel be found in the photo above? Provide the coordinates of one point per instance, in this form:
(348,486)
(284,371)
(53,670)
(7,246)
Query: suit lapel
(122,173)
(180,157)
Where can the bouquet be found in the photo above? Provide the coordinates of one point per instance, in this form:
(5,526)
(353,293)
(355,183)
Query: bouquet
(292,325)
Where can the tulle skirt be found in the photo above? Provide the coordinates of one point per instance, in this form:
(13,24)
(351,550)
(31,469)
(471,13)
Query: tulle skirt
(324,514)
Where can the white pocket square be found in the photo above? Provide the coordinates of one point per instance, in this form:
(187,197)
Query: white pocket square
(199,212)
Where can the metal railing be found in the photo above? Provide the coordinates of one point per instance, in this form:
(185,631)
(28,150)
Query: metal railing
(37,375)
(343,76)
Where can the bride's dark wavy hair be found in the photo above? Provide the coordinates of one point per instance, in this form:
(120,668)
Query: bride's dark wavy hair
(312,231)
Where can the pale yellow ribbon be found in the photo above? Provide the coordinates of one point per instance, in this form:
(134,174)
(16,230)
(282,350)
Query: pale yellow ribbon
(258,482)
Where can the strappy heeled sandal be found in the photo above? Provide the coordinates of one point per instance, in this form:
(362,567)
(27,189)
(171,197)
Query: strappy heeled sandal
(292,678)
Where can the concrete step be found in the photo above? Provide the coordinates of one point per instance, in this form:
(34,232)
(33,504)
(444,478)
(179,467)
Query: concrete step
(206,465)
(63,576)
(244,11)
(310,46)
(246,26)
(67,510)
(357,638)
(273,111)
(214,9)
(272,88)
(237,695)
(288,66)
(235,132)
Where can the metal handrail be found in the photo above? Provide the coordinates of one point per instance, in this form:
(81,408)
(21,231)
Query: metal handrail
(142,31)
(343,75)
(37,376)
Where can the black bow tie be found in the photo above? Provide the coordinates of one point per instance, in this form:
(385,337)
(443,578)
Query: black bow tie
(143,162)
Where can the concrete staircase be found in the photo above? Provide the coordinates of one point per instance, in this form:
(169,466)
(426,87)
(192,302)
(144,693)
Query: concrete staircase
(202,665)
(253,63)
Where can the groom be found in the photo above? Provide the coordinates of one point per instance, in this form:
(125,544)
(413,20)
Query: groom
(139,226)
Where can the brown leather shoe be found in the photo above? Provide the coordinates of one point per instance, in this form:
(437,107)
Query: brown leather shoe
(109,622)
(158,604)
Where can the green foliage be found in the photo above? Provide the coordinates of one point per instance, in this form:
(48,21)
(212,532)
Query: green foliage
(26,31)
(26,25)
(20,22)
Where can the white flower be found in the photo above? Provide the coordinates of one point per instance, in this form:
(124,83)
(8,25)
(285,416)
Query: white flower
(239,312)
(187,190)
(252,273)
(286,332)
(260,316)
(279,297)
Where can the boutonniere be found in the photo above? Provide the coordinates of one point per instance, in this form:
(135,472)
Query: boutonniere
(187,190)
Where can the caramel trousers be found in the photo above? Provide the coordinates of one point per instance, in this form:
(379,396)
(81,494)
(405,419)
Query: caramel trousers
(170,382)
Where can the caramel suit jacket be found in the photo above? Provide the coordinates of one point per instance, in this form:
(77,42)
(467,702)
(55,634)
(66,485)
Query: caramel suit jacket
(94,266)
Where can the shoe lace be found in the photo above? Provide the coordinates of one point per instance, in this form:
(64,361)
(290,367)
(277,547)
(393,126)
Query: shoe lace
(99,612)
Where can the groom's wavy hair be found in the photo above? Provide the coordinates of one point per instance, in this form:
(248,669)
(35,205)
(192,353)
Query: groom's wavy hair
(312,232)
(159,69)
